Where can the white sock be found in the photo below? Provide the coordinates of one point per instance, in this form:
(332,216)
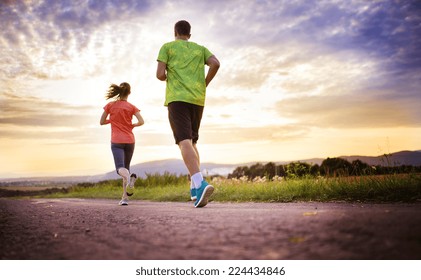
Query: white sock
(197,179)
(191,184)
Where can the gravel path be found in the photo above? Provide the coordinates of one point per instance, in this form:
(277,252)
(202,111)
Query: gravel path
(82,229)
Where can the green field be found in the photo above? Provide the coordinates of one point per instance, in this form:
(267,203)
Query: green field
(385,188)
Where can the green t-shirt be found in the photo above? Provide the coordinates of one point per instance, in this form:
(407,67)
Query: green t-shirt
(185,71)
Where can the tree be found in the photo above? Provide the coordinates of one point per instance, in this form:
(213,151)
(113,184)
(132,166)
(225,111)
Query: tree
(315,170)
(360,168)
(297,169)
(335,167)
(239,172)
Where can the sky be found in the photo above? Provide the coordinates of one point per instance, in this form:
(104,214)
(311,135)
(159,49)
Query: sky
(298,79)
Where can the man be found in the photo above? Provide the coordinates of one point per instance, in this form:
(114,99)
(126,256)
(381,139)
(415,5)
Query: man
(182,65)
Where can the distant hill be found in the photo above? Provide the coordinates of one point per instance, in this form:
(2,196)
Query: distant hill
(173,166)
(176,166)
(394,159)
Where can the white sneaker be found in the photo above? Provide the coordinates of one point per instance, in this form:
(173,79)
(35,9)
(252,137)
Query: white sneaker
(133,178)
(124,202)
(130,184)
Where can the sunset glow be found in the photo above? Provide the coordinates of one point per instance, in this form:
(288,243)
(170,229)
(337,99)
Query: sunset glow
(298,79)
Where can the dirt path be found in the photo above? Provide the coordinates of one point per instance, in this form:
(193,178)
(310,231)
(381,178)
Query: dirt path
(99,229)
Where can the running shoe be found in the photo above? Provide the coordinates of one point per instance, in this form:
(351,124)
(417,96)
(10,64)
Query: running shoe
(124,202)
(203,193)
(133,178)
(193,196)
(130,184)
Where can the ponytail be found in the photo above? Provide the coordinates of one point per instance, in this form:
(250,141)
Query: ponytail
(121,91)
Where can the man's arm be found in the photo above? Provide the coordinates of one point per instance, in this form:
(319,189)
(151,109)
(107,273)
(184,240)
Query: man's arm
(161,71)
(213,64)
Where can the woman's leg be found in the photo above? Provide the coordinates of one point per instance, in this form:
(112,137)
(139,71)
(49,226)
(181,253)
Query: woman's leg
(119,161)
(128,154)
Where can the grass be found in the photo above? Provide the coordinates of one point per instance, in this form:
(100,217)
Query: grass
(167,187)
(367,188)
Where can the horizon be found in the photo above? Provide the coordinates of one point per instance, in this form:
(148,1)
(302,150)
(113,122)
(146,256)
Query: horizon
(306,79)
(104,172)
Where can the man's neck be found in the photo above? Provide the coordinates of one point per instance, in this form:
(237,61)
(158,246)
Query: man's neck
(182,37)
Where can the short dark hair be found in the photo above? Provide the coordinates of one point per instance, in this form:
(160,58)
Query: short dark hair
(182,27)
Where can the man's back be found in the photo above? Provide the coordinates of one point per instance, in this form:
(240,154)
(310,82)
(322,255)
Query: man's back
(185,62)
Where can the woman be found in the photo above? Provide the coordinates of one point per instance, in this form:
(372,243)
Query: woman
(120,113)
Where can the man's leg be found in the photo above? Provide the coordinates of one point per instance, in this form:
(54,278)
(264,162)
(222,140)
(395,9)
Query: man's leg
(190,156)
(191,159)
(185,122)
(193,195)
(192,162)
(197,153)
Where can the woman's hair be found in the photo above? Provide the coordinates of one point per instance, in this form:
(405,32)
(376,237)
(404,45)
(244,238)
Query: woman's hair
(118,92)
(182,27)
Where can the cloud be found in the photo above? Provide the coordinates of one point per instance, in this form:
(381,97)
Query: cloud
(58,39)
(386,30)
(43,39)
(66,17)
(358,110)
(341,64)
(219,101)
(287,67)
(390,29)
(31,118)
(36,112)
(237,134)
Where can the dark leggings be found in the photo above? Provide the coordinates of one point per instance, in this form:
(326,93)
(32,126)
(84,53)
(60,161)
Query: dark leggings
(123,154)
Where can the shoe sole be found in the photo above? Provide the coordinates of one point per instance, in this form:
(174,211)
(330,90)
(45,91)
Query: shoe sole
(207,192)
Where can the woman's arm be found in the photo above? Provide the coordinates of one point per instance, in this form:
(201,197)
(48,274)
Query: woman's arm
(140,120)
(103,119)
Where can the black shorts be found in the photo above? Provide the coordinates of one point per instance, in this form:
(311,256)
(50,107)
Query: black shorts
(185,120)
